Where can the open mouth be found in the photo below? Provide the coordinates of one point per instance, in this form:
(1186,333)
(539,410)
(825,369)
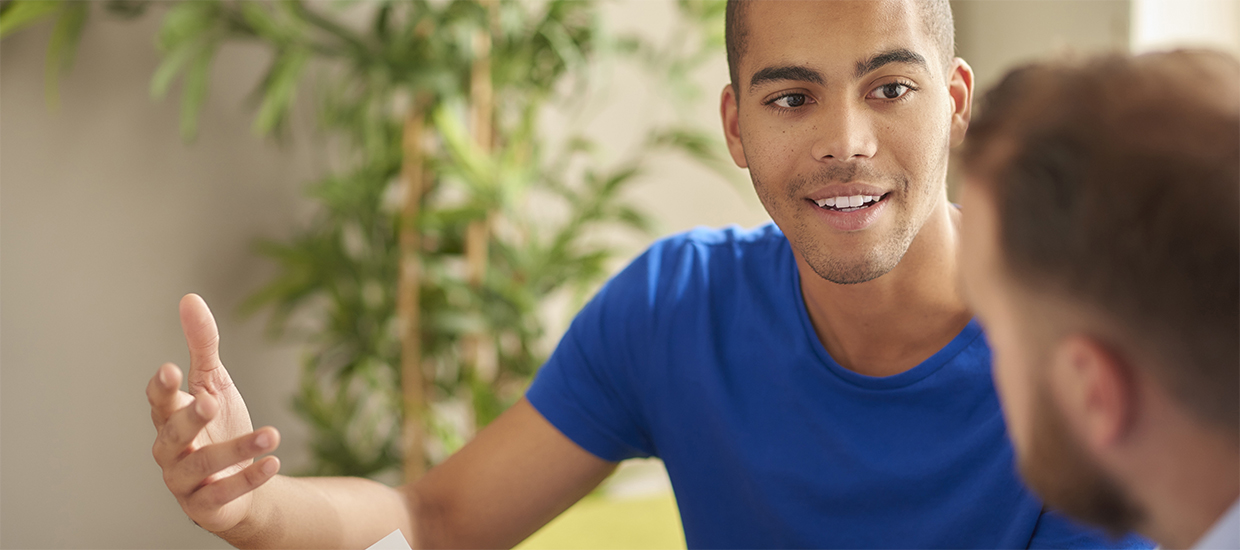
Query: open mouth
(850,203)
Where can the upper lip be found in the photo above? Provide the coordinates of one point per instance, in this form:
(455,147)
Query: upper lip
(846,190)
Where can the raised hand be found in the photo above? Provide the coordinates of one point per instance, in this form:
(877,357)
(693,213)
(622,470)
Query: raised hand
(205,442)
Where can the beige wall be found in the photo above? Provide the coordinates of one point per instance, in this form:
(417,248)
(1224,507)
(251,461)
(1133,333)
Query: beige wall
(994,35)
(106,219)
(1161,24)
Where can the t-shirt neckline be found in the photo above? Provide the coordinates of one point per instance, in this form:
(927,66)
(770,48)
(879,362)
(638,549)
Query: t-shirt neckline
(962,340)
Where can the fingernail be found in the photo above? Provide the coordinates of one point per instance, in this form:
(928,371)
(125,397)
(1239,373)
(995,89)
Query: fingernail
(163,377)
(200,407)
(270,467)
(262,441)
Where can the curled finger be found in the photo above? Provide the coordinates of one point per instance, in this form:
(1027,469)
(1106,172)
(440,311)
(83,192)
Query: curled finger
(161,393)
(200,467)
(216,494)
(176,435)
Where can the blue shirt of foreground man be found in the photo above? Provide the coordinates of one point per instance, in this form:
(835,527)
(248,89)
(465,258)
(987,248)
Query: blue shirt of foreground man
(817,385)
(1101,248)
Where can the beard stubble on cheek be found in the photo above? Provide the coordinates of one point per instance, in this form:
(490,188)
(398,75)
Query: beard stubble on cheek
(832,261)
(1062,473)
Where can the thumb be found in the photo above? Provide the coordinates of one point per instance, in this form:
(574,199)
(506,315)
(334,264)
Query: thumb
(203,338)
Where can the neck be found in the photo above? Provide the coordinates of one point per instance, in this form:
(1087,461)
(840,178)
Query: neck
(898,320)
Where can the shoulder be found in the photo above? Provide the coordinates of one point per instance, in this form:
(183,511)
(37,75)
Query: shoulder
(699,265)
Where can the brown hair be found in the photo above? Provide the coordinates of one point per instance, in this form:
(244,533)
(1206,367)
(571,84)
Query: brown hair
(936,16)
(1116,181)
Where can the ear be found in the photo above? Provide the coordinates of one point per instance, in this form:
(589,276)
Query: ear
(960,88)
(1096,389)
(728,111)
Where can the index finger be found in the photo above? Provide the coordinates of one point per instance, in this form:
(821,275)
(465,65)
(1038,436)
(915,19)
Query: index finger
(161,392)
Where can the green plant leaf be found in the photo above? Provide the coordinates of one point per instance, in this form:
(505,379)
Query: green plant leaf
(63,45)
(635,219)
(187,22)
(475,167)
(19,14)
(194,91)
(169,66)
(127,9)
(563,44)
(354,42)
(279,89)
(263,23)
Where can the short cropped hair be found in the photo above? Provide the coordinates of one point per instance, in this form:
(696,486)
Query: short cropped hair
(1116,183)
(936,17)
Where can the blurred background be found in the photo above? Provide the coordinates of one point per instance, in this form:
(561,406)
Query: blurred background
(114,204)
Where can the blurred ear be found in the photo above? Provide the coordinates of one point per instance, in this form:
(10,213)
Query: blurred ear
(728,111)
(960,88)
(1096,390)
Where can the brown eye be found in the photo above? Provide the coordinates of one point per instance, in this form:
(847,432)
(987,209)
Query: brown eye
(895,90)
(790,101)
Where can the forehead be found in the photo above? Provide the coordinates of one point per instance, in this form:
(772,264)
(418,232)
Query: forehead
(829,34)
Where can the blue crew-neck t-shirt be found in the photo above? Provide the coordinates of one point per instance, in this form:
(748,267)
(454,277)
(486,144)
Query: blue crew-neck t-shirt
(701,353)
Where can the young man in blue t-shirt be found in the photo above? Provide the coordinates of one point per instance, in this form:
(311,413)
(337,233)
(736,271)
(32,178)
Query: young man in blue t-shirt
(813,383)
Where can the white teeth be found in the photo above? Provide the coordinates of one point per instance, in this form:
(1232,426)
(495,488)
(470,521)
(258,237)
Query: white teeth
(847,202)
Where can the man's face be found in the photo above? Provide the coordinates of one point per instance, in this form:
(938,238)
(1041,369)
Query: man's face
(844,118)
(1051,459)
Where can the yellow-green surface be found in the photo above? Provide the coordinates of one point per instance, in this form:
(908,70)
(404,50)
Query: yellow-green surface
(601,523)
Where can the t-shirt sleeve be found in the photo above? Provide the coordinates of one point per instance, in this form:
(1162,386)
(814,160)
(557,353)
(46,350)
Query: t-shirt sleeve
(589,387)
(1057,531)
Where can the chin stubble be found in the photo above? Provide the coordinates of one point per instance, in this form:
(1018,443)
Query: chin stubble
(834,265)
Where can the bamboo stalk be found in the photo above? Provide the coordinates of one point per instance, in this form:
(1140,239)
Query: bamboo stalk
(482,108)
(477,236)
(481,91)
(413,175)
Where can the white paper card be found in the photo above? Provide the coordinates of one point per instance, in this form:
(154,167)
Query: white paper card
(394,541)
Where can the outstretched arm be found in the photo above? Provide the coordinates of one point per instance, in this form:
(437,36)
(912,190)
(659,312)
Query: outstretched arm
(516,475)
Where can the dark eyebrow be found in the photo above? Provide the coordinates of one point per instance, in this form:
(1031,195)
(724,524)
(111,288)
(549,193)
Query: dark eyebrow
(806,74)
(785,72)
(899,55)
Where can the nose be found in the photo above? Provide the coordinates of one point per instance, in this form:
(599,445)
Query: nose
(844,132)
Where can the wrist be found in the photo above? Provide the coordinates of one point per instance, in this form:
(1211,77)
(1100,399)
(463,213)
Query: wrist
(257,527)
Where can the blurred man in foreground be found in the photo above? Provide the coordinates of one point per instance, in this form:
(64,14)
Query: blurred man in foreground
(1101,252)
